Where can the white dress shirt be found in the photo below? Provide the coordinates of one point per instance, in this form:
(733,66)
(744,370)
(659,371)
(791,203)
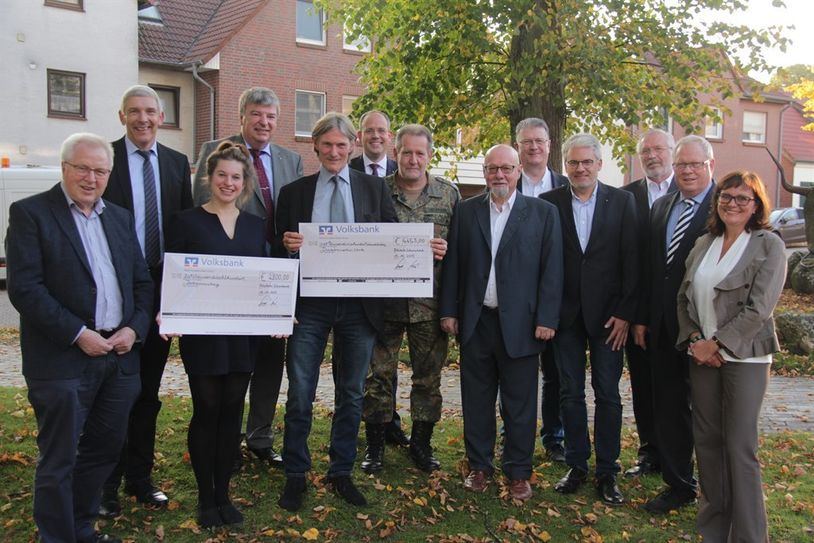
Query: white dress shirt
(497,221)
(657,190)
(530,188)
(382,164)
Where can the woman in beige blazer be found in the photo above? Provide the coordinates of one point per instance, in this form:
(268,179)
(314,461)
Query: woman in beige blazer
(735,275)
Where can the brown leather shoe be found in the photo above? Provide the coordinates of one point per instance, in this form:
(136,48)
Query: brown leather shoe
(476,481)
(520,489)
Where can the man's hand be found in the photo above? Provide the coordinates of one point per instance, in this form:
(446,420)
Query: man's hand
(618,334)
(639,335)
(439,248)
(92,344)
(450,325)
(123,340)
(545,333)
(292,241)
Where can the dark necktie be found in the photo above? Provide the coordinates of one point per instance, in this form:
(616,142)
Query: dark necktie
(338,213)
(374,168)
(265,190)
(681,227)
(152,241)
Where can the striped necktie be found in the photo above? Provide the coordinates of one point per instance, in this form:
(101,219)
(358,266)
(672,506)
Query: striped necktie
(152,241)
(681,227)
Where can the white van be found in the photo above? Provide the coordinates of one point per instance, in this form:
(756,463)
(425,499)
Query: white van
(17,183)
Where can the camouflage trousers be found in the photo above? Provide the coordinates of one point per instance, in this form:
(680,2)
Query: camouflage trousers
(428,351)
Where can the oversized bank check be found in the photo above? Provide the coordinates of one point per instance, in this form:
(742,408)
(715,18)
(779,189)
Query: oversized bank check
(379,260)
(228,295)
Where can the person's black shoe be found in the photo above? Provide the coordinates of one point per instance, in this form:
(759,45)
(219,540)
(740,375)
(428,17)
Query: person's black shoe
(146,492)
(556,453)
(230,515)
(293,494)
(276,459)
(374,453)
(608,491)
(110,507)
(643,467)
(99,537)
(209,517)
(571,482)
(344,487)
(394,435)
(237,465)
(420,448)
(669,500)
(262,453)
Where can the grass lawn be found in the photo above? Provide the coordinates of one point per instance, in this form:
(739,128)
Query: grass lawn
(405,504)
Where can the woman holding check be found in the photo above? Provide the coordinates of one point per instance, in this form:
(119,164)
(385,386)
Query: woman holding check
(735,274)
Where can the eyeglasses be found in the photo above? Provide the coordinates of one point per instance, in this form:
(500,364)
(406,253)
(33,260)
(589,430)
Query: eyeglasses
(84,171)
(539,142)
(740,199)
(587,163)
(695,166)
(647,151)
(506,169)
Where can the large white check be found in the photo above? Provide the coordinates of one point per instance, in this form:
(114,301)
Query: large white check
(228,295)
(373,260)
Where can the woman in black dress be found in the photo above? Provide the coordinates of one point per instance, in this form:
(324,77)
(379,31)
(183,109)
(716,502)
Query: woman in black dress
(218,367)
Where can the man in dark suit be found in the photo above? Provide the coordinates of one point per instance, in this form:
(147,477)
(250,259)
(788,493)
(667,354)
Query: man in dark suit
(79,281)
(276,167)
(375,136)
(151,181)
(500,294)
(676,221)
(334,194)
(599,302)
(655,150)
(533,145)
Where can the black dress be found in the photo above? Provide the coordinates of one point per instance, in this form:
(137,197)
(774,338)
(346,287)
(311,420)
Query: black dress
(198,231)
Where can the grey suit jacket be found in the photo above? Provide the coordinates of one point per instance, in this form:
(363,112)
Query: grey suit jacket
(286,166)
(744,300)
(51,284)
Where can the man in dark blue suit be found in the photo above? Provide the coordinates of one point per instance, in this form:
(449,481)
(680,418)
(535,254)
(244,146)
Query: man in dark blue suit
(77,276)
(500,294)
(533,144)
(599,302)
(334,194)
(375,136)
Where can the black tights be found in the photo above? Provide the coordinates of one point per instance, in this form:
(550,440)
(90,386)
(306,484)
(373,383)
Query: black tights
(217,402)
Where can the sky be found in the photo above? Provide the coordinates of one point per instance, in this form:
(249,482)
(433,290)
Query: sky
(797,13)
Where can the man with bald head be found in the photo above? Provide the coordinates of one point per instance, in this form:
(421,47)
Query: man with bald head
(500,294)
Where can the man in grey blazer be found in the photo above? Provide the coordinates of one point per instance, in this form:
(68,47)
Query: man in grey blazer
(276,167)
(501,290)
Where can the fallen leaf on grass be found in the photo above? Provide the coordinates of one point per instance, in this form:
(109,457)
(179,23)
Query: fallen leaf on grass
(311,534)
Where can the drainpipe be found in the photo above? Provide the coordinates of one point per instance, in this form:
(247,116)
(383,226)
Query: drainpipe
(780,158)
(211,99)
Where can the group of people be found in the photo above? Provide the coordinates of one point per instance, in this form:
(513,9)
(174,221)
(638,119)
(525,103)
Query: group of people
(675,270)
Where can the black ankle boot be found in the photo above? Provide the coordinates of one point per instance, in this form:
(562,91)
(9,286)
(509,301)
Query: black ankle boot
(374,454)
(420,448)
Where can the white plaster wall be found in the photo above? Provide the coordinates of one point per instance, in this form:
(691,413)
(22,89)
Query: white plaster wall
(182,138)
(101,41)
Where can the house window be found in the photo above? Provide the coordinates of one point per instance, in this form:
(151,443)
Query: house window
(347,104)
(310,23)
(309,107)
(169,97)
(714,125)
(67,4)
(360,44)
(663,120)
(66,94)
(754,127)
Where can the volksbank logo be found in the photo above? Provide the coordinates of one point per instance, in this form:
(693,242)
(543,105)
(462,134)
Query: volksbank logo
(326,230)
(190,261)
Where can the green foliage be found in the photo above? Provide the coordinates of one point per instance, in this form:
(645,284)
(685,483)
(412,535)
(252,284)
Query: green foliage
(600,65)
(790,75)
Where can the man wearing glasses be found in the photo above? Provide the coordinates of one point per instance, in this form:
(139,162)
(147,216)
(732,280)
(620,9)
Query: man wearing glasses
(676,221)
(533,144)
(500,294)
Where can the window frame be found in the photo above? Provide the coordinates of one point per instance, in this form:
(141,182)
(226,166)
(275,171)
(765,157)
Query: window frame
(323,20)
(176,91)
(761,141)
(78,5)
(351,47)
(297,92)
(352,99)
(718,126)
(56,114)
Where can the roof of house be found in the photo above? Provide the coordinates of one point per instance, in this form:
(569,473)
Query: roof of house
(193,30)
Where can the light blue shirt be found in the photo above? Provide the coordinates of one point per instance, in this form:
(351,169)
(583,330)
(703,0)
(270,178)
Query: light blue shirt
(322,195)
(584,216)
(135,163)
(108,313)
(265,158)
(675,213)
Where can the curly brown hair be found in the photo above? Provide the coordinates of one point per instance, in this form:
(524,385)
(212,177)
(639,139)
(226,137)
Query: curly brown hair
(230,150)
(759,219)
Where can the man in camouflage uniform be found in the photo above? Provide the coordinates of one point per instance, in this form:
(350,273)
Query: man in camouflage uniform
(419,198)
